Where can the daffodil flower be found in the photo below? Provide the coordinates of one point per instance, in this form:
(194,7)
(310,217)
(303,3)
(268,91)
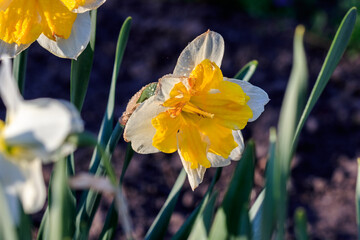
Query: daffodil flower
(196,111)
(61,26)
(34,132)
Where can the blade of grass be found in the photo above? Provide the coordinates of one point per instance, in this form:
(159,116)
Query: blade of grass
(229,222)
(246,72)
(19,69)
(301,224)
(333,57)
(81,68)
(275,202)
(158,228)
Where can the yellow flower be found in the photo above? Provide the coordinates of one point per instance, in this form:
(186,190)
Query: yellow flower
(34,132)
(61,26)
(197,111)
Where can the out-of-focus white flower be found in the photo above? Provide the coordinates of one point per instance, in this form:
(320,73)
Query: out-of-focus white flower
(34,132)
(61,26)
(196,111)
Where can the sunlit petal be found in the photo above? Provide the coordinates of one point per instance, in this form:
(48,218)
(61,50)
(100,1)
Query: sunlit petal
(209,45)
(258,97)
(139,129)
(195,176)
(11,50)
(73,46)
(9,91)
(80,6)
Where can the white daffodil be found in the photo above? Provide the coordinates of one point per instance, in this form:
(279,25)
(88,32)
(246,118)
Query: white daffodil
(61,26)
(197,111)
(34,132)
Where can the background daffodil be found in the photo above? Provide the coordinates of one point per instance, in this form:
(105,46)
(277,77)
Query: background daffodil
(34,132)
(197,111)
(61,26)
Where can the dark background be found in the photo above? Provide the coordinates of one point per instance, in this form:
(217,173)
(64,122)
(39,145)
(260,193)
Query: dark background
(324,167)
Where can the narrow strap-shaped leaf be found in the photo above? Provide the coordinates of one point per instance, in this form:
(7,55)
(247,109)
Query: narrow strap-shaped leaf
(229,222)
(61,210)
(90,200)
(81,68)
(246,72)
(186,228)
(275,202)
(300,224)
(111,221)
(108,120)
(257,209)
(203,221)
(333,57)
(19,69)
(158,229)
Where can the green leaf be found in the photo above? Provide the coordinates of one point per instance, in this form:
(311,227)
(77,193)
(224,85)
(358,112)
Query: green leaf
(61,207)
(148,92)
(232,219)
(301,224)
(81,68)
(89,201)
(203,221)
(19,69)
(158,228)
(247,71)
(7,228)
(256,210)
(111,221)
(108,120)
(24,228)
(186,228)
(333,57)
(275,202)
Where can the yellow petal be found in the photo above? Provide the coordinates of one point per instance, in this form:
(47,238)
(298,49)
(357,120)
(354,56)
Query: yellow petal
(221,138)
(20,23)
(206,75)
(228,105)
(193,146)
(57,20)
(178,94)
(166,130)
(81,6)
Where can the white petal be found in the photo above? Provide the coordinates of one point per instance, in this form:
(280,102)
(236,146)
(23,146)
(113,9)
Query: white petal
(209,45)
(139,129)
(41,126)
(195,176)
(235,155)
(89,5)
(11,50)
(9,90)
(166,83)
(33,192)
(75,44)
(25,180)
(258,97)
